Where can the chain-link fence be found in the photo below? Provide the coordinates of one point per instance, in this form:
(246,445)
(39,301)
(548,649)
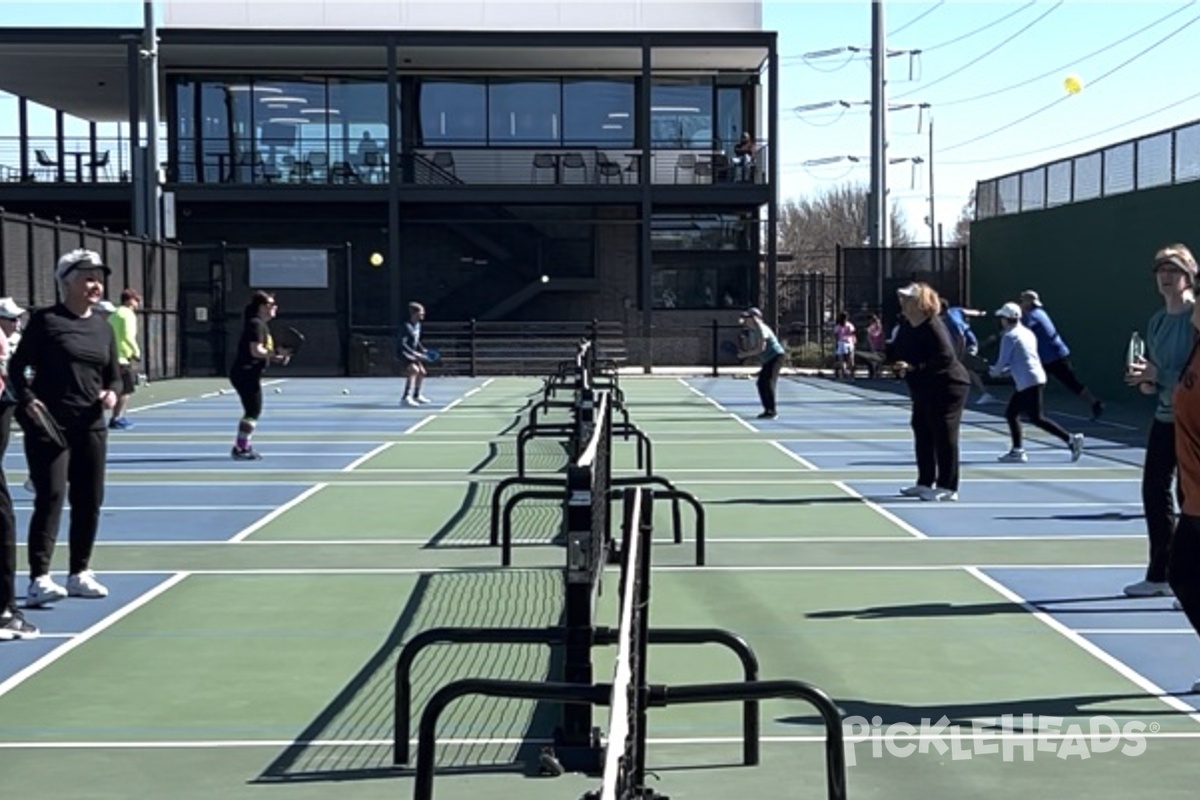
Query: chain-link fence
(30,249)
(1159,159)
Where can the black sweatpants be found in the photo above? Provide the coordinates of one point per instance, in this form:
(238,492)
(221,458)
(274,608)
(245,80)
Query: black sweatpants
(1157,501)
(77,474)
(1028,403)
(936,418)
(249,390)
(1184,567)
(768,377)
(8,523)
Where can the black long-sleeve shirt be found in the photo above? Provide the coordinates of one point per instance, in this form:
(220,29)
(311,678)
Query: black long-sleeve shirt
(73,358)
(929,353)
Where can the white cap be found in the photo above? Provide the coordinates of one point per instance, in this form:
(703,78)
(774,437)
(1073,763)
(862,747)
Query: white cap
(80,259)
(9,309)
(907,291)
(1009,311)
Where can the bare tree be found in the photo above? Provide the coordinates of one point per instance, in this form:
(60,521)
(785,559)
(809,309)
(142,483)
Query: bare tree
(811,229)
(961,234)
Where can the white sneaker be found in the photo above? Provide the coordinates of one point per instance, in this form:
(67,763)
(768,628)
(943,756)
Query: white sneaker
(984,399)
(422,399)
(1015,456)
(945,496)
(1076,446)
(409,401)
(1148,589)
(85,585)
(913,491)
(43,591)
(930,495)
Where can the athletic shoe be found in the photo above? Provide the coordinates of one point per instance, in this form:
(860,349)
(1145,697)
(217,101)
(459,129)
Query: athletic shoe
(85,585)
(249,454)
(43,591)
(120,424)
(409,401)
(945,496)
(930,495)
(767,415)
(914,491)
(985,399)
(13,625)
(1015,456)
(1076,445)
(1148,589)
(422,399)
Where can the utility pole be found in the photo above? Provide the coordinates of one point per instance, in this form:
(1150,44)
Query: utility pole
(149,61)
(932,219)
(879,223)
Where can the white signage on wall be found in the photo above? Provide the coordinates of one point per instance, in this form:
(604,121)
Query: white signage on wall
(289,269)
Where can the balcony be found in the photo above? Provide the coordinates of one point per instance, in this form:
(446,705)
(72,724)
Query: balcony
(470,166)
(77,162)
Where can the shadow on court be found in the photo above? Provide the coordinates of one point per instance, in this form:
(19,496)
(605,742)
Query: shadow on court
(991,711)
(947,610)
(351,739)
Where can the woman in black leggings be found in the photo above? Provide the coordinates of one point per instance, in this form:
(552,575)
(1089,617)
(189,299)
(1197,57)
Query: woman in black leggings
(72,354)
(13,624)
(255,350)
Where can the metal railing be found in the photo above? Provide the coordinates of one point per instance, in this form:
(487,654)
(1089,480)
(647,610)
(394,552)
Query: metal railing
(77,161)
(1158,159)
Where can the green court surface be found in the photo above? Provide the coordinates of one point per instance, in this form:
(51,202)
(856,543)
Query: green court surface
(249,645)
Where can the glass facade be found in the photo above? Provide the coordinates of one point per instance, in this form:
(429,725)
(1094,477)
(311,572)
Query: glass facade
(327,129)
(704,259)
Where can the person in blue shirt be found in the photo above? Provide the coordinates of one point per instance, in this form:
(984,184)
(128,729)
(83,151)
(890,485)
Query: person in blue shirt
(1019,358)
(766,346)
(1169,342)
(966,344)
(1053,351)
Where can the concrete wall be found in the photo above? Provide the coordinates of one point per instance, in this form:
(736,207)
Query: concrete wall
(469,15)
(1090,262)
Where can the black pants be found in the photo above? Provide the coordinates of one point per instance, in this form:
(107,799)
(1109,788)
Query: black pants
(1157,502)
(1184,567)
(77,474)
(768,377)
(1028,403)
(936,418)
(250,392)
(8,523)
(1065,373)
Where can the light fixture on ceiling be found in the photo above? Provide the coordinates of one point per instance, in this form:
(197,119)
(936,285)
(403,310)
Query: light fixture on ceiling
(323,111)
(284,99)
(288,120)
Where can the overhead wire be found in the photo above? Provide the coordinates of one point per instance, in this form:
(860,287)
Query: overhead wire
(969,34)
(985,53)
(1077,140)
(917,18)
(1073,62)
(1064,98)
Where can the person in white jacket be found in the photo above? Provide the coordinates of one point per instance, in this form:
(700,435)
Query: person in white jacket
(1019,358)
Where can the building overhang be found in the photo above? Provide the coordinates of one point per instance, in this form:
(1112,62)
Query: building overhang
(86,72)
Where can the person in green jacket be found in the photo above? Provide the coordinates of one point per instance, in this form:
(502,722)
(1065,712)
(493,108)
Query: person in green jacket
(125,328)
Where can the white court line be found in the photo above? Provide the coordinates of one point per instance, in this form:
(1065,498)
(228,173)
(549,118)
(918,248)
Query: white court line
(710,540)
(54,655)
(229,744)
(162,404)
(744,423)
(365,457)
(283,509)
(1136,631)
(1118,666)
(416,426)
(209,507)
(881,511)
(804,462)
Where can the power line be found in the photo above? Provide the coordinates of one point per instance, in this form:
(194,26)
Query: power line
(1048,106)
(917,18)
(1073,62)
(992,24)
(985,53)
(1094,134)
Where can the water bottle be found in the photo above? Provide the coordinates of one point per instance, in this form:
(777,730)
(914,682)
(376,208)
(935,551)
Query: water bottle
(1136,351)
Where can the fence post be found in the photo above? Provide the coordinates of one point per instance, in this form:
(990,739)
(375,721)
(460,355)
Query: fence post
(471,344)
(3,261)
(716,346)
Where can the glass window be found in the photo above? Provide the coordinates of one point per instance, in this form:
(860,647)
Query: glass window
(358,126)
(525,112)
(453,112)
(183,143)
(704,232)
(681,114)
(598,113)
(710,281)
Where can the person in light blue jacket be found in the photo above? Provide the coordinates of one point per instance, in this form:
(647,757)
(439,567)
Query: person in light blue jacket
(1169,342)
(1019,358)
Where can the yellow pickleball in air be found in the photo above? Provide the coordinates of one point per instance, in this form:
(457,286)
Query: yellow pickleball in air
(1073,84)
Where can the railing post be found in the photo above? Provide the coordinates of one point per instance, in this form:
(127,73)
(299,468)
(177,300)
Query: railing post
(716,346)
(474,330)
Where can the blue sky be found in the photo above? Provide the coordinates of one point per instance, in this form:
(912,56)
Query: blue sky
(966,86)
